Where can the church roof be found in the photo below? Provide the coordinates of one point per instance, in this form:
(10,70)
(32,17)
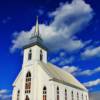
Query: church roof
(61,76)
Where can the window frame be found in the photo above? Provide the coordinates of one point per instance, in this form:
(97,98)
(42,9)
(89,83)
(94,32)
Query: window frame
(65,94)
(30,54)
(72,94)
(41,55)
(77,96)
(28,82)
(57,93)
(18,95)
(44,93)
(27,97)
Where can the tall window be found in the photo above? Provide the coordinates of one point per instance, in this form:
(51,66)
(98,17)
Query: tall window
(18,95)
(30,55)
(44,93)
(77,96)
(72,95)
(27,98)
(41,55)
(86,97)
(57,93)
(28,83)
(65,94)
(82,96)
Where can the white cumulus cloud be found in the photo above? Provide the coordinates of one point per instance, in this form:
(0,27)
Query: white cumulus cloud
(79,72)
(66,61)
(89,72)
(4,94)
(3,91)
(70,69)
(91,52)
(92,83)
(54,60)
(69,19)
(62,60)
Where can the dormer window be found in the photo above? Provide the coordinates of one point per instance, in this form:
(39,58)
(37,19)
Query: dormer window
(41,55)
(30,55)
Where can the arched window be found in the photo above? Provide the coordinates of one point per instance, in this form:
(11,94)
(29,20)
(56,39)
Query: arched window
(27,98)
(77,96)
(72,95)
(44,93)
(18,95)
(28,83)
(30,55)
(57,93)
(65,94)
(41,55)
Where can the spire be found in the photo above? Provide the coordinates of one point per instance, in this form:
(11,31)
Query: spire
(35,38)
(37,26)
(36,32)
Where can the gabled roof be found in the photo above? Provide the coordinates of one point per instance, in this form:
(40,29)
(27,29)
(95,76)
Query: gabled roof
(18,77)
(61,76)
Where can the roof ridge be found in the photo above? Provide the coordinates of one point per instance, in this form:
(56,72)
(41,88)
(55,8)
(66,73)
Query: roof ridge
(61,75)
(68,74)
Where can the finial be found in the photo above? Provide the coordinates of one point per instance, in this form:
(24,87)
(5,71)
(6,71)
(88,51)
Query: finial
(37,26)
(36,32)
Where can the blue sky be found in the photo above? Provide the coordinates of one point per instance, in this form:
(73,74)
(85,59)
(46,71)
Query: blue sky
(70,29)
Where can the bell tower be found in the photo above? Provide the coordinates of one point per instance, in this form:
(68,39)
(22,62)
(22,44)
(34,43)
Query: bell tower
(35,49)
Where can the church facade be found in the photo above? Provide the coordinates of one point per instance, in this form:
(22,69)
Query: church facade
(41,80)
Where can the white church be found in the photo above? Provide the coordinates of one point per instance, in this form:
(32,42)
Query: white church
(41,80)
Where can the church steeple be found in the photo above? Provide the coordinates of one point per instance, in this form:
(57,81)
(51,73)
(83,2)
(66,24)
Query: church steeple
(35,38)
(36,32)
(35,50)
